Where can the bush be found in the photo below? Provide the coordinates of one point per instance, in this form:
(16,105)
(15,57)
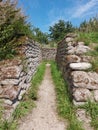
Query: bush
(12,27)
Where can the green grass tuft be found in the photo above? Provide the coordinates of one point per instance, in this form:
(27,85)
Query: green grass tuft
(92,109)
(88,38)
(36,80)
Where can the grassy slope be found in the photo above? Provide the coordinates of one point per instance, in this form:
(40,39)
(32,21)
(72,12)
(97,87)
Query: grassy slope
(91,39)
(88,38)
(92,109)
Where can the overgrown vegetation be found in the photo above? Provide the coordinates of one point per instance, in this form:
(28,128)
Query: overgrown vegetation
(14,27)
(88,31)
(38,77)
(27,103)
(92,109)
(90,38)
(64,105)
(94,60)
(60,29)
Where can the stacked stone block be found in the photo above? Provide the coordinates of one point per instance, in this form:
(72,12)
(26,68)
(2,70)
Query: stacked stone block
(16,74)
(75,66)
(49,53)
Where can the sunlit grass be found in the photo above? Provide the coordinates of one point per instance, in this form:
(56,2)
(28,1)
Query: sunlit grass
(64,105)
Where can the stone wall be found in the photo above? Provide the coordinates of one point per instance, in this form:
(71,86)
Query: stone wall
(48,53)
(16,74)
(75,67)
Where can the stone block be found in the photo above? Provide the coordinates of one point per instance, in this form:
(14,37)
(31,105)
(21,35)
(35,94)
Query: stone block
(69,39)
(72,58)
(82,95)
(80,66)
(83,79)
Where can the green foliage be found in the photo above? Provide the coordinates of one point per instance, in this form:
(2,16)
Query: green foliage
(92,109)
(95,65)
(23,108)
(7,52)
(1,111)
(64,105)
(40,36)
(36,81)
(59,30)
(88,38)
(94,61)
(13,25)
(5,125)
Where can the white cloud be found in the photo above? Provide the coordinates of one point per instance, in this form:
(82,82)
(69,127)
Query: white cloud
(81,10)
(77,10)
(56,14)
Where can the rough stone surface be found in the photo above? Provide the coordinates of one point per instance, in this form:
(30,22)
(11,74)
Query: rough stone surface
(21,94)
(78,50)
(16,74)
(83,79)
(7,101)
(10,82)
(48,53)
(80,66)
(75,67)
(82,95)
(10,93)
(69,39)
(72,58)
(11,72)
(77,103)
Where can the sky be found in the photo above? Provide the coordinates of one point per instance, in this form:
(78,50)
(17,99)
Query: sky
(45,13)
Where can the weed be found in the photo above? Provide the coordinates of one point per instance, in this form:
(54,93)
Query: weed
(92,109)
(36,80)
(23,108)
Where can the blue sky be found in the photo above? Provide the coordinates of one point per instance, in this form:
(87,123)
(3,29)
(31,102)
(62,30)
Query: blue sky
(44,13)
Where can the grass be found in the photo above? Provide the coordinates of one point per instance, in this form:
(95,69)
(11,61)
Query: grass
(36,80)
(92,109)
(64,105)
(88,38)
(27,103)
(94,54)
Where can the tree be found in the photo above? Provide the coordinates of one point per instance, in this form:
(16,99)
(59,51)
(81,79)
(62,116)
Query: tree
(59,30)
(40,36)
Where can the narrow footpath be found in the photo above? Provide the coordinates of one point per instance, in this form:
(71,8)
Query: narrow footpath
(44,115)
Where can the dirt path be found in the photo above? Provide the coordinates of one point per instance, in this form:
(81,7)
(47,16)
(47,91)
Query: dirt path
(44,116)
